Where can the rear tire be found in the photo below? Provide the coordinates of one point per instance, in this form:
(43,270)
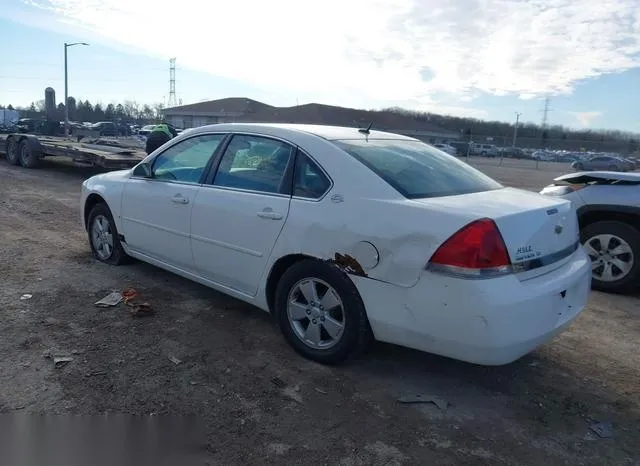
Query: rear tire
(341,330)
(103,236)
(620,255)
(13,155)
(29,155)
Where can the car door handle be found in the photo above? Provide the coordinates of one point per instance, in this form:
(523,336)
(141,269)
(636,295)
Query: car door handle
(270,215)
(179,199)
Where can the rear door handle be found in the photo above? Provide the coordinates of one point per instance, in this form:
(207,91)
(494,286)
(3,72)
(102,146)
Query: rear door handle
(179,199)
(270,215)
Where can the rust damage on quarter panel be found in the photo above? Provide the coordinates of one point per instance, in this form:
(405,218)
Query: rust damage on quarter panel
(348,264)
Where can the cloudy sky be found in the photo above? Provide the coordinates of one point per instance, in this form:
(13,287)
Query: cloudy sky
(482,58)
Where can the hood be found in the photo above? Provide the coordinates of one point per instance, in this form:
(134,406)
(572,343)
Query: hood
(97,180)
(600,177)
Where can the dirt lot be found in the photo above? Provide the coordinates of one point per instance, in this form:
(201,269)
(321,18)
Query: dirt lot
(259,402)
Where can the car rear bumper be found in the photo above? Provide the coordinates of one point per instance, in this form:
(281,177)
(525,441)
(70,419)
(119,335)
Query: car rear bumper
(488,322)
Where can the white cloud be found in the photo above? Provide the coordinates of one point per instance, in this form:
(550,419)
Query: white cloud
(586,118)
(348,51)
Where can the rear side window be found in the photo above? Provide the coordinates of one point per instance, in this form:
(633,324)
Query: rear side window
(309,180)
(417,170)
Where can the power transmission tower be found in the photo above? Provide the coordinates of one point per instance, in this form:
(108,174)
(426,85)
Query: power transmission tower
(545,113)
(172,83)
(545,116)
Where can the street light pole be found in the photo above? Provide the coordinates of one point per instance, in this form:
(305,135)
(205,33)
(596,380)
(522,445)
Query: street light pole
(66,86)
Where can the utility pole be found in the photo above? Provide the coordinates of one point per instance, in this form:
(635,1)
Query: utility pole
(515,129)
(66,86)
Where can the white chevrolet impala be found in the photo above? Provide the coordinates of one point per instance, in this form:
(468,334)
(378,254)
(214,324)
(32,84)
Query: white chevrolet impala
(345,234)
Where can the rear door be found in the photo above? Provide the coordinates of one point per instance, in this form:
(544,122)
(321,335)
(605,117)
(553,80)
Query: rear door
(240,211)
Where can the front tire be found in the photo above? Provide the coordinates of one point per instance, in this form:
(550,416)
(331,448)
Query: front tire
(103,236)
(320,312)
(614,249)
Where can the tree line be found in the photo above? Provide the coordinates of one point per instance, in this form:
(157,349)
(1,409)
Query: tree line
(84,111)
(530,134)
(498,132)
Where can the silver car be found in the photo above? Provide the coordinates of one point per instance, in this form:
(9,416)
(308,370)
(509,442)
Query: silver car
(608,206)
(603,162)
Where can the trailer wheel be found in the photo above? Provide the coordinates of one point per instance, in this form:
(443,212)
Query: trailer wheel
(13,156)
(29,156)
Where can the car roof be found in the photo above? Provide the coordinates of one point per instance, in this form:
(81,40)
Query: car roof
(330,133)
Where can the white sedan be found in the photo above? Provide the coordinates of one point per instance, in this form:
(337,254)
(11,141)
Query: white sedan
(346,234)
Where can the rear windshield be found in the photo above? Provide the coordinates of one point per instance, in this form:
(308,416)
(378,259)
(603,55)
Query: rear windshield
(417,170)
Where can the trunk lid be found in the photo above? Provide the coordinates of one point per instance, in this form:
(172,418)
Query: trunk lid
(540,232)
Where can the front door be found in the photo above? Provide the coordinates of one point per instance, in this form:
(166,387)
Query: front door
(238,217)
(156,211)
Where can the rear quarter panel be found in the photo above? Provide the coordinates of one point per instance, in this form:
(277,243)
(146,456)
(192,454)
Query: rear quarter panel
(403,236)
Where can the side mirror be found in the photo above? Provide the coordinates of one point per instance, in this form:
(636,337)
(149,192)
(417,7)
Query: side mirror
(143,170)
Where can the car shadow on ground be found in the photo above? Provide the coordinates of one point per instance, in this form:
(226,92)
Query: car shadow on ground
(544,371)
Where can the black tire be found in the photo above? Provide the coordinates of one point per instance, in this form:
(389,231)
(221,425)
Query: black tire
(579,167)
(613,168)
(29,155)
(118,256)
(357,334)
(13,154)
(629,234)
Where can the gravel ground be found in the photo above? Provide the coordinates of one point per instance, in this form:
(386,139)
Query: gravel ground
(208,355)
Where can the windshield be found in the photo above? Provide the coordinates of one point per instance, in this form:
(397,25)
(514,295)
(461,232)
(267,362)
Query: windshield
(417,170)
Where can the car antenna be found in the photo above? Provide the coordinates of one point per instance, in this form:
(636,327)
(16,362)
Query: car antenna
(366,130)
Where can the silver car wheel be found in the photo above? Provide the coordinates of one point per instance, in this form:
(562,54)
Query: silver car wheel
(611,257)
(102,237)
(316,313)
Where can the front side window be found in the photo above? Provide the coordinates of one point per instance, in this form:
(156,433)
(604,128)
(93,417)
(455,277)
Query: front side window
(417,170)
(186,160)
(255,163)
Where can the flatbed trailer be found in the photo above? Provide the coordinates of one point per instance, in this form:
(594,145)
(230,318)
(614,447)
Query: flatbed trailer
(28,150)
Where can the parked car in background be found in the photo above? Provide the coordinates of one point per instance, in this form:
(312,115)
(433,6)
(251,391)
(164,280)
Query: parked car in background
(513,152)
(461,147)
(448,261)
(445,148)
(484,150)
(543,155)
(145,130)
(603,162)
(106,128)
(634,164)
(608,207)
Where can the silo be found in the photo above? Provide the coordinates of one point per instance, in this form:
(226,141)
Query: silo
(71,105)
(50,103)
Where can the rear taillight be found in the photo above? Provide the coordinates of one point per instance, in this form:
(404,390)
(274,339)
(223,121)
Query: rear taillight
(475,251)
